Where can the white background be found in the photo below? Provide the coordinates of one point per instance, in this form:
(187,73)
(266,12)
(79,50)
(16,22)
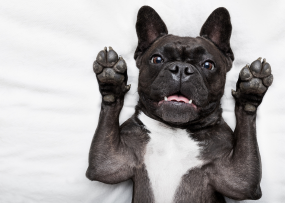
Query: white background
(50,100)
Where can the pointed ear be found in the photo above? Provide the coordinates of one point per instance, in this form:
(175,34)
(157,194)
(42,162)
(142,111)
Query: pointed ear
(218,29)
(149,27)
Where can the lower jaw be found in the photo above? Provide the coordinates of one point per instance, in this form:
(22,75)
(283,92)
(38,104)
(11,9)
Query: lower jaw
(177,113)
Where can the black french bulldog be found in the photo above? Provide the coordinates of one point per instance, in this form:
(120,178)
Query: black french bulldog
(177,147)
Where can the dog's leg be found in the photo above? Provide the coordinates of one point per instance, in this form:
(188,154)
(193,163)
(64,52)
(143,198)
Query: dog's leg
(238,175)
(109,162)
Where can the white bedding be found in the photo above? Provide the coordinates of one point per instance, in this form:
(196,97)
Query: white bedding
(50,101)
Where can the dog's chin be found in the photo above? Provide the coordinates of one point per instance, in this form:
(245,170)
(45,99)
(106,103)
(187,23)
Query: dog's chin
(177,113)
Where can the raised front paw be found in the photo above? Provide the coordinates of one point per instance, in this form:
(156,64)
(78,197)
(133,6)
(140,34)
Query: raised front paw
(111,72)
(252,85)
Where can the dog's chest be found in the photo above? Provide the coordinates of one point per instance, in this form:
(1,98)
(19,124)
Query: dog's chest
(170,153)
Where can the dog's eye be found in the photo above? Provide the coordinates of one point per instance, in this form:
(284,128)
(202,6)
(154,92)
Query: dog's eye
(156,59)
(208,65)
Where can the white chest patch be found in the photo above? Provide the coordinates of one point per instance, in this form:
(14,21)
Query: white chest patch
(170,153)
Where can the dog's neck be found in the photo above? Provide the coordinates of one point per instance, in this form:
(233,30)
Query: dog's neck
(213,118)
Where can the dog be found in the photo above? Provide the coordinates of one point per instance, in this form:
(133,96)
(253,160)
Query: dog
(177,147)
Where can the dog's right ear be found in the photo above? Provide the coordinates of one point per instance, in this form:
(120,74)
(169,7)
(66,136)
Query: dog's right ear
(149,27)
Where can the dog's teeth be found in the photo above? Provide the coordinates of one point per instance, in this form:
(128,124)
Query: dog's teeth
(190,102)
(165,98)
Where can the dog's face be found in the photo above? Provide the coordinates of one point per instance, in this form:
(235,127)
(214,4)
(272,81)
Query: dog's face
(182,79)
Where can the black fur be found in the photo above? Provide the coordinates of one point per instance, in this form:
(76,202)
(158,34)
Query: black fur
(231,161)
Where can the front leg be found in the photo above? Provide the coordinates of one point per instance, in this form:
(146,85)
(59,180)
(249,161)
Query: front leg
(239,172)
(109,162)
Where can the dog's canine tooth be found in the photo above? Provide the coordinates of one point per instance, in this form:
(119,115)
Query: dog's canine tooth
(165,98)
(190,102)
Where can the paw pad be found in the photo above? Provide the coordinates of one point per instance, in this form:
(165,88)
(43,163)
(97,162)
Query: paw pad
(109,67)
(107,58)
(97,68)
(254,86)
(256,78)
(110,76)
(245,74)
(268,80)
(111,72)
(254,82)
(121,66)
(260,70)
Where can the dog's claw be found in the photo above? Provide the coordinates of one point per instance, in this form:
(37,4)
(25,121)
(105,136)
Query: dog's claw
(234,93)
(127,88)
(264,60)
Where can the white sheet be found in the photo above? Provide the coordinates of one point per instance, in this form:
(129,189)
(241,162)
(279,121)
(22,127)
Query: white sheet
(50,100)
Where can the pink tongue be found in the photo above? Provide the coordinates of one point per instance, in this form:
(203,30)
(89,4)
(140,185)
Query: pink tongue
(178,98)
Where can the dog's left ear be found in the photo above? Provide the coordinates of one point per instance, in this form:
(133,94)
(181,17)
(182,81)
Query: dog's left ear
(218,29)
(149,27)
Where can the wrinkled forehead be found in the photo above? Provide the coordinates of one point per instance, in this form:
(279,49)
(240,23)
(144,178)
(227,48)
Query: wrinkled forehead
(183,47)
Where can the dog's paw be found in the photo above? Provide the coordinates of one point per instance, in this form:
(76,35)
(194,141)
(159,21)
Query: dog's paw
(111,72)
(252,85)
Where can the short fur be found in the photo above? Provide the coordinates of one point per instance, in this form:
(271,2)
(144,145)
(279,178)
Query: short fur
(173,151)
(170,153)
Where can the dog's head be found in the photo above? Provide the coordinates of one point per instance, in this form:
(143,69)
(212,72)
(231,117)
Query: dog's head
(182,79)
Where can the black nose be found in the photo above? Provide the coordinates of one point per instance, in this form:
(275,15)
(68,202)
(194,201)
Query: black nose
(188,70)
(175,69)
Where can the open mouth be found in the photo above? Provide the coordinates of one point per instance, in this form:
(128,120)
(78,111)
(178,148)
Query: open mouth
(178,98)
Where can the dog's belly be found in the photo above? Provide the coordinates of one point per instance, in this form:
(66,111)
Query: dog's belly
(170,153)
